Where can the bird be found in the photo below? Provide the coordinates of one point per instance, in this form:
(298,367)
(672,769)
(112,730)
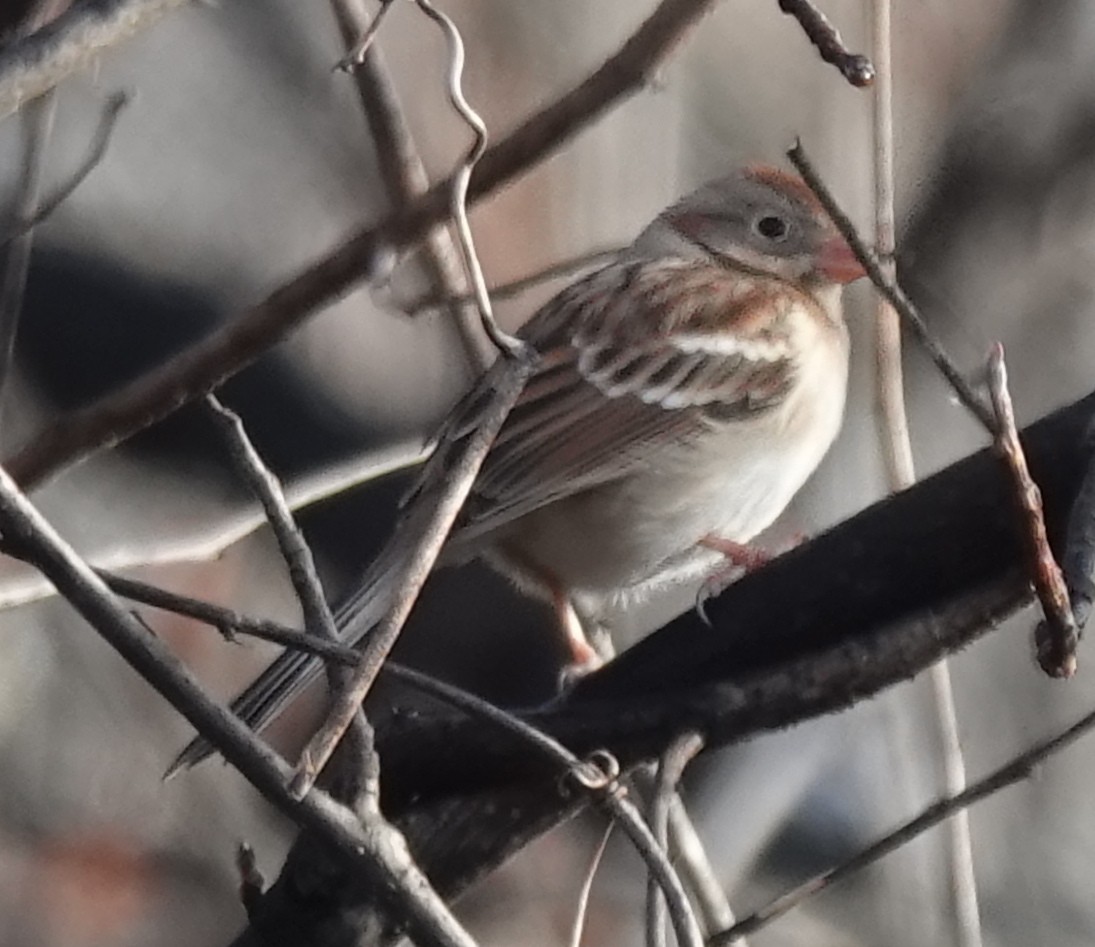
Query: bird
(681,395)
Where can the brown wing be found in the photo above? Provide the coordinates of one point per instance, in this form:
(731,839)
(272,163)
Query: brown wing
(634,357)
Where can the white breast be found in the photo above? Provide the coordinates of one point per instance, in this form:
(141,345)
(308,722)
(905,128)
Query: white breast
(733,483)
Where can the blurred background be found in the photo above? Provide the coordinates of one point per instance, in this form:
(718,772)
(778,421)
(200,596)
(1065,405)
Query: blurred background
(243,157)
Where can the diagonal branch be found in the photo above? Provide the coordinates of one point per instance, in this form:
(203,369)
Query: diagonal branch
(32,66)
(38,128)
(871,602)
(401,166)
(442,512)
(376,849)
(892,292)
(206,364)
(112,108)
(1012,772)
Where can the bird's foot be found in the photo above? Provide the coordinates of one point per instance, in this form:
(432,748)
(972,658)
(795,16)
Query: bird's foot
(741,559)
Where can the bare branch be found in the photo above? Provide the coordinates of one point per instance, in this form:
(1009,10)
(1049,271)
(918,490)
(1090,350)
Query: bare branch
(358,32)
(32,66)
(1056,637)
(205,365)
(671,768)
(360,782)
(378,849)
(1012,772)
(97,151)
(898,455)
(685,925)
(215,528)
(597,775)
(854,67)
(318,619)
(696,870)
(252,882)
(892,291)
(568,267)
(460,475)
(578,928)
(38,127)
(402,169)
(226,620)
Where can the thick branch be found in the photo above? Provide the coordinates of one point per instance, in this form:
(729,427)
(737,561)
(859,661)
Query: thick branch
(871,602)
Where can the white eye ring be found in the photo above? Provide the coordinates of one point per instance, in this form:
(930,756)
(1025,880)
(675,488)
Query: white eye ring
(772,227)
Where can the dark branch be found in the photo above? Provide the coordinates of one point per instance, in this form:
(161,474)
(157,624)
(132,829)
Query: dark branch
(871,602)
(855,67)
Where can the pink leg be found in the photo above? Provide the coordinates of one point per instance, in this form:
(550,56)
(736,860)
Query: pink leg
(741,559)
(583,656)
(738,555)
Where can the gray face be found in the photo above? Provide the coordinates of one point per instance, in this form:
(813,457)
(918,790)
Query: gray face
(759,219)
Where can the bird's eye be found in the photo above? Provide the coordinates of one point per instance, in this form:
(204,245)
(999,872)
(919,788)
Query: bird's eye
(771,227)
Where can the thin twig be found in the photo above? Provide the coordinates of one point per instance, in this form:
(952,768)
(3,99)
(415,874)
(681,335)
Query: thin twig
(893,420)
(225,620)
(1010,773)
(413,574)
(362,775)
(35,64)
(252,883)
(854,67)
(697,872)
(685,925)
(892,291)
(461,475)
(671,768)
(380,851)
(578,928)
(1056,638)
(596,775)
(568,267)
(318,618)
(206,364)
(959,836)
(360,34)
(108,120)
(222,618)
(404,174)
(505,343)
(213,531)
(37,129)
(898,455)
(231,622)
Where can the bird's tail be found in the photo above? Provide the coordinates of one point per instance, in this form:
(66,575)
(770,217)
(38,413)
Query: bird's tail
(294,670)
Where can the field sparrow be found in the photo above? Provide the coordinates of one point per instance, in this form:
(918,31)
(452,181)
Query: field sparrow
(683,394)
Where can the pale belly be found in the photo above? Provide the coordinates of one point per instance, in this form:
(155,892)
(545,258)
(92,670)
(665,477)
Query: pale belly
(626,538)
(623,539)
